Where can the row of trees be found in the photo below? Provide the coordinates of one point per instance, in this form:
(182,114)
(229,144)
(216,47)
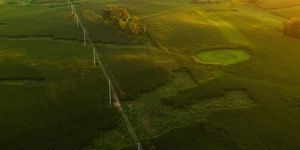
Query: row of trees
(119,16)
(292,27)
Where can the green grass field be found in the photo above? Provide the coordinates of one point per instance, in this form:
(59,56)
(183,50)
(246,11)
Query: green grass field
(55,111)
(38,22)
(53,98)
(222,57)
(201,28)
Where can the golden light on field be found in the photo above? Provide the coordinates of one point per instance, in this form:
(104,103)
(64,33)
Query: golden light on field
(149,74)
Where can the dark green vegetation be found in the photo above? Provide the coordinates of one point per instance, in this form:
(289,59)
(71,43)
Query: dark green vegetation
(133,70)
(38,21)
(194,137)
(191,96)
(52,98)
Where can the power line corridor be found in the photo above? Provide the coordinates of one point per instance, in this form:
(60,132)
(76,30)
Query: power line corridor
(113,97)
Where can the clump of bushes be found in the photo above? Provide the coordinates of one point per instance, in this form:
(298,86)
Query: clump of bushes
(115,15)
(292,27)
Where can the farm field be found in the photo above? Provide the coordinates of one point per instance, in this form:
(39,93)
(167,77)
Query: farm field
(203,76)
(42,96)
(282,8)
(51,96)
(271,4)
(291,12)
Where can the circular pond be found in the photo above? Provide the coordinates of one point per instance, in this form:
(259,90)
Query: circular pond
(222,57)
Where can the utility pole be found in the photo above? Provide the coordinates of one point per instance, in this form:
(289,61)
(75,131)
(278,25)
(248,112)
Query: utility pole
(94,51)
(109,91)
(77,20)
(84,38)
(72,9)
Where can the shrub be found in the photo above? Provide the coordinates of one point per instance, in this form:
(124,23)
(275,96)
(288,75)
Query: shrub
(292,27)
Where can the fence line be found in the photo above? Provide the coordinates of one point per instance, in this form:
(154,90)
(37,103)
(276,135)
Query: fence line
(112,91)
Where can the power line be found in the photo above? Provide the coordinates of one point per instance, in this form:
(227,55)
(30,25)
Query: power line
(112,92)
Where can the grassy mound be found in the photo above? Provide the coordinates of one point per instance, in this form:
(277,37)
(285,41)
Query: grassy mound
(222,57)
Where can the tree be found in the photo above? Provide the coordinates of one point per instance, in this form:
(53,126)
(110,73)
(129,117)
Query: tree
(116,15)
(133,25)
(122,17)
